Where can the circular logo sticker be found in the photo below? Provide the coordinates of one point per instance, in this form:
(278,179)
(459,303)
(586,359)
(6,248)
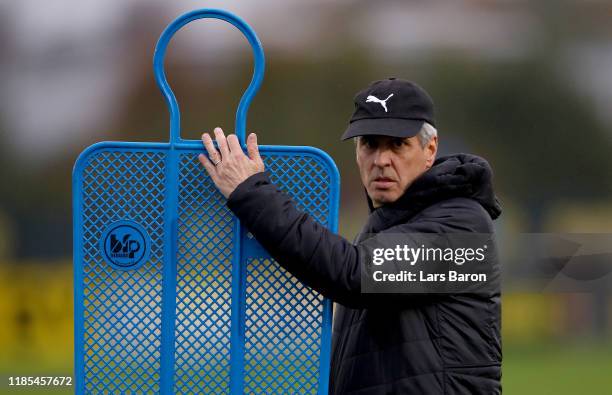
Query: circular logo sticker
(125,245)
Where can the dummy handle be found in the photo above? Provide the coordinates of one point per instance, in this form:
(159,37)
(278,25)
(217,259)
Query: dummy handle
(162,82)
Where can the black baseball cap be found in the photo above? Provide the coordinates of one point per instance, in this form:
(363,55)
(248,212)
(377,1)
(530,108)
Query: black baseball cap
(391,107)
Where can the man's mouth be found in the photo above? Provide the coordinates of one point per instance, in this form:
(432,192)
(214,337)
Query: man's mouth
(383,182)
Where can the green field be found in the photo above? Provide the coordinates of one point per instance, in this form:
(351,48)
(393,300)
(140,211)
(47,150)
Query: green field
(557,369)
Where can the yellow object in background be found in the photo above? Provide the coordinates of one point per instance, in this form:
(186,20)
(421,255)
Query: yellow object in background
(36,311)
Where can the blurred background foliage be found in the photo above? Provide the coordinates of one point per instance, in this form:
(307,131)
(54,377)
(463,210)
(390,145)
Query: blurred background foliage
(527,85)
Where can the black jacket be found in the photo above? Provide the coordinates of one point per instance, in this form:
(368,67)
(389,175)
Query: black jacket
(392,343)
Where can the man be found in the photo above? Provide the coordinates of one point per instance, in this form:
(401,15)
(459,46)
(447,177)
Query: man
(383,343)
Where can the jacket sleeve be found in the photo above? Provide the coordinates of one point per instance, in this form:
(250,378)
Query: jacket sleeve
(315,255)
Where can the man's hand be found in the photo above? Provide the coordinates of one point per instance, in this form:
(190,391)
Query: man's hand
(230,167)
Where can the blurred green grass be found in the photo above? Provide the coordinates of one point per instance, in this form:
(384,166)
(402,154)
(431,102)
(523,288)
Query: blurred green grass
(561,368)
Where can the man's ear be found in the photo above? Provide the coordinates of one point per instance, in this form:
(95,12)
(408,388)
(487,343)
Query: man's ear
(431,149)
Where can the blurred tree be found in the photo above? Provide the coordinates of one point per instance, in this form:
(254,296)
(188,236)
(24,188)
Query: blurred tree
(542,138)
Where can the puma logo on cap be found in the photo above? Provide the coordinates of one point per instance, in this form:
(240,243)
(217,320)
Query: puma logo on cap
(374,99)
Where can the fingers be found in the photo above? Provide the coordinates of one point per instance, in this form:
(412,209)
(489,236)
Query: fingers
(210,147)
(230,145)
(252,147)
(210,168)
(234,145)
(222,142)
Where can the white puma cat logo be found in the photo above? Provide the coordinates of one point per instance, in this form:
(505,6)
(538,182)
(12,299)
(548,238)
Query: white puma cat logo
(374,99)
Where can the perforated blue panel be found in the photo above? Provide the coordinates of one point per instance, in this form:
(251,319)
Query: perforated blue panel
(172,294)
(205,238)
(285,344)
(284,318)
(121,309)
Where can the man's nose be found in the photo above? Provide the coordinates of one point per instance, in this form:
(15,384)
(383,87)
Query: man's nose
(382,157)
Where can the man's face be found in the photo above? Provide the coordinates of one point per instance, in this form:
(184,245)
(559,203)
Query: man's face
(388,165)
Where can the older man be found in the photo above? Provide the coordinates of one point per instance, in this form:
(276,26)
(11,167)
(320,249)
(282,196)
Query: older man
(383,343)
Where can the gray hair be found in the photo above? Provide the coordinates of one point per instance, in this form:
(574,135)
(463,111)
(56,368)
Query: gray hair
(425,135)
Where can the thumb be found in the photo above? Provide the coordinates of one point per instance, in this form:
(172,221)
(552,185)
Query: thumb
(252,148)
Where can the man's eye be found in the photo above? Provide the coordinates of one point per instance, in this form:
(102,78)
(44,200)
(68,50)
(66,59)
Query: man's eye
(398,142)
(367,142)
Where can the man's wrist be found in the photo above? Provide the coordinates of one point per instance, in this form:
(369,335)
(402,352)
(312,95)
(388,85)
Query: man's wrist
(249,183)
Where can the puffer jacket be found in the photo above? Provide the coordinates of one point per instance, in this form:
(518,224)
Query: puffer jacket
(392,343)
